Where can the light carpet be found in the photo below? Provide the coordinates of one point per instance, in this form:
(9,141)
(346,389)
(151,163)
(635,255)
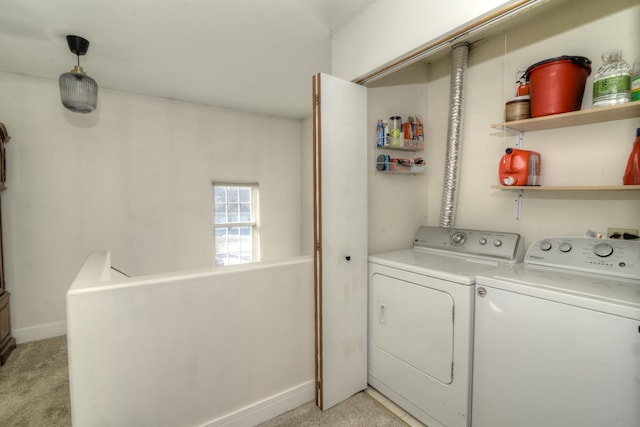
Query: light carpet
(358,410)
(34,392)
(34,385)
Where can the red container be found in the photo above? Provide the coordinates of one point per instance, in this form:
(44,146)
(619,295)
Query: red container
(557,84)
(632,172)
(520,167)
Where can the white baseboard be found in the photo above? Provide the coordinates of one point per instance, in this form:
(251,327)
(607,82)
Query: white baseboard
(39,332)
(268,408)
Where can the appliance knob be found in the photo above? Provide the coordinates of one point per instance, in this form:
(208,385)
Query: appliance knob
(603,250)
(458,238)
(497,243)
(565,247)
(482,292)
(545,245)
(482,241)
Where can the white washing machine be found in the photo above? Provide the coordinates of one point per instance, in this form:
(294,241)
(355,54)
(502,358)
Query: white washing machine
(421,319)
(557,338)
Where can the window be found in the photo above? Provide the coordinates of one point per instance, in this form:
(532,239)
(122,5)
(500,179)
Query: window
(236,225)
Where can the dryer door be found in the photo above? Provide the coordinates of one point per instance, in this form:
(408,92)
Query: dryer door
(413,323)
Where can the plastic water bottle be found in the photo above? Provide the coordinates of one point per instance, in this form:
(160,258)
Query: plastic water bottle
(612,81)
(635,80)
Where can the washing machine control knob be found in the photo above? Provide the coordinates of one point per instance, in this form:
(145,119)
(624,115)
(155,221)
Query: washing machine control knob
(482,241)
(458,238)
(497,243)
(603,250)
(565,247)
(482,292)
(545,245)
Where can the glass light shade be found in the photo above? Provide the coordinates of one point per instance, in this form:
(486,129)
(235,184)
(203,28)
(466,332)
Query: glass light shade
(78,91)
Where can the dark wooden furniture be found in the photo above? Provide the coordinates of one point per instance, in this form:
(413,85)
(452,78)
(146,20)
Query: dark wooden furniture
(7,342)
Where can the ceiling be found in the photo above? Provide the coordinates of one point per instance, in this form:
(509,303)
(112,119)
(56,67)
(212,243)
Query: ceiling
(250,55)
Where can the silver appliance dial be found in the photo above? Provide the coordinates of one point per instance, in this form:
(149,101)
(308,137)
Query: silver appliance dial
(603,250)
(565,247)
(458,238)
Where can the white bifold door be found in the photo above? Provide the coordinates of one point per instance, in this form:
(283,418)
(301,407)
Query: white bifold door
(340,237)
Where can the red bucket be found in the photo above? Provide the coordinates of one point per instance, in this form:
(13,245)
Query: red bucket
(557,84)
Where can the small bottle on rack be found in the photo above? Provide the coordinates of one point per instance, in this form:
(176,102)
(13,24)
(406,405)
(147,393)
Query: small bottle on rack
(380,133)
(632,172)
(386,132)
(635,80)
(612,81)
(395,134)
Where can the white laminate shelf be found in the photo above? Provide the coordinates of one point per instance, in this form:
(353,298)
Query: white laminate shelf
(408,145)
(573,118)
(569,187)
(404,170)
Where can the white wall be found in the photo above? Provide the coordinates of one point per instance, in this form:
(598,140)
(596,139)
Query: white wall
(588,155)
(230,347)
(389,29)
(133,177)
(397,203)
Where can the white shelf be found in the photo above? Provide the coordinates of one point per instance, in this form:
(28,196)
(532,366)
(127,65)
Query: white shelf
(574,118)
(406,170)
(569,188)
(409,145)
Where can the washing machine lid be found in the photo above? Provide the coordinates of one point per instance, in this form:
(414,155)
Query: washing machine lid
(604,293)
(452,268)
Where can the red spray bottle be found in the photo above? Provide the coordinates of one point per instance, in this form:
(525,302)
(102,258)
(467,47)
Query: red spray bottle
(632,173)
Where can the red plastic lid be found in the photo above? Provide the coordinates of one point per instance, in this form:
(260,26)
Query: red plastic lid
(578,60)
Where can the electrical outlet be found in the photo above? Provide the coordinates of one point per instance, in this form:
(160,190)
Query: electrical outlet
(618,232)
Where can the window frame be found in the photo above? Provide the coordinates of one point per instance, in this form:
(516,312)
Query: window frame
(254,223)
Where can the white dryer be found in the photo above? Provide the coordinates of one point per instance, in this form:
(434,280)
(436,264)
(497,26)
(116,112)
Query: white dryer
(421,319)
(557,338)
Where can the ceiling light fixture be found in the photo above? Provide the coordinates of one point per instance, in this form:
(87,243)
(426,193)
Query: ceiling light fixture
(78,91)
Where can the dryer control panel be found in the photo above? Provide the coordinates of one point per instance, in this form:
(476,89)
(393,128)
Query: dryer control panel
(604,256)
(490,245)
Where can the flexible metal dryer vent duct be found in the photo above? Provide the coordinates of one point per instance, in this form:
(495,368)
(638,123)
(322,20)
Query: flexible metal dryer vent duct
(460,54)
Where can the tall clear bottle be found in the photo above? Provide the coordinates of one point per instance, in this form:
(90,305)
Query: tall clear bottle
(612,81)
